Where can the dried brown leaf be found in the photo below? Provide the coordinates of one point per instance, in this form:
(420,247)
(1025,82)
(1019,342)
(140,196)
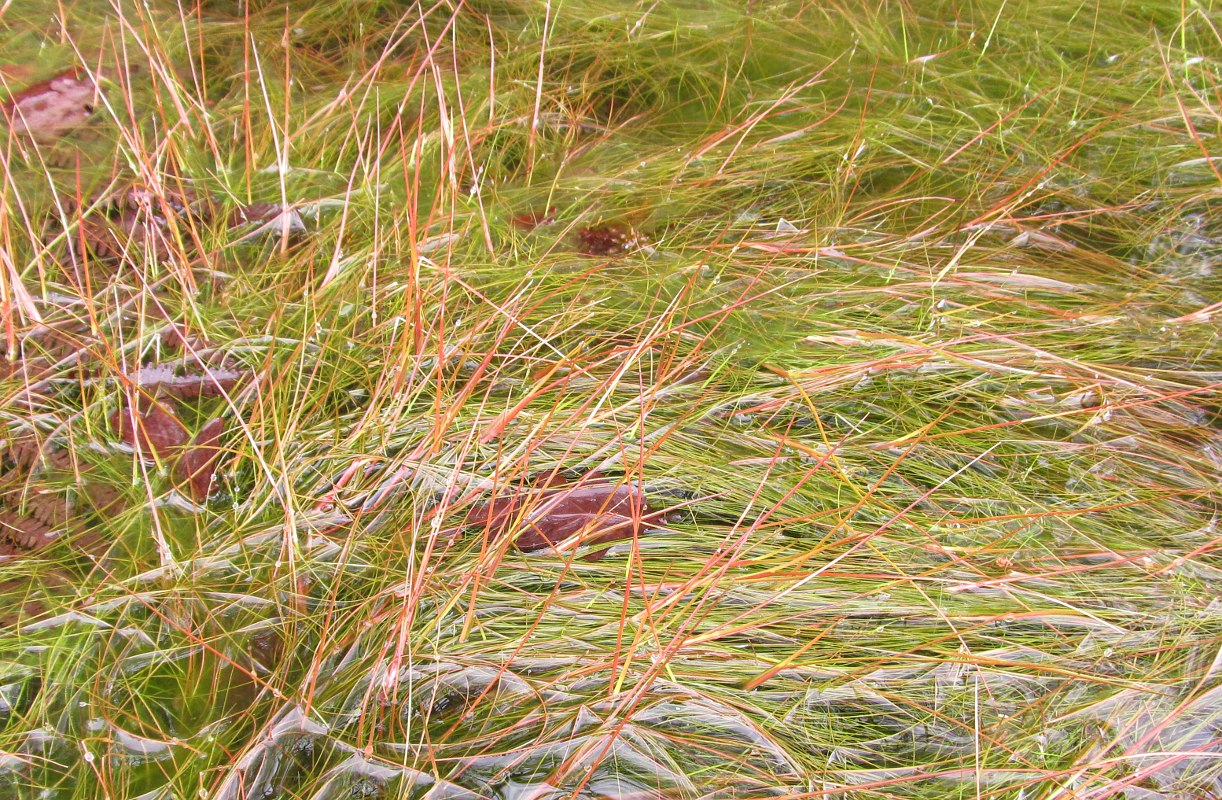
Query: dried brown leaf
(42,595)
(127,232)
(197,465)
(606,240)
(24,532)
(530,220)
(151,426)
(16,72)
(209,382)
(49,110)
(136,220)
(599,512)
(35,513)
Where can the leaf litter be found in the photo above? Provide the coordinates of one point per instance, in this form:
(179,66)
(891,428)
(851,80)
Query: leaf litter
(55,107)
(125,224)
(34,514)
(529,220)
(206,381)
(34,511)
(151,427)
(153,423)
(608,240)
(582,514)
(197,465)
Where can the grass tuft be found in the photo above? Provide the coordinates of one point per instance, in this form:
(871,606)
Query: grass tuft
(903,320)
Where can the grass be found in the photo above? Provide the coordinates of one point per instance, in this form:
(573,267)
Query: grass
(915,336)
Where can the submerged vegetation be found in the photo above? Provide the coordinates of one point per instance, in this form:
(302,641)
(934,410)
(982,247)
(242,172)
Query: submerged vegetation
(606,399)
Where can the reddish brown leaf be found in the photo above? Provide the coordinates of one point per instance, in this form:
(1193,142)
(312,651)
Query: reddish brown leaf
(533,219)
(606,240)
(37,527)
(35,513)
(48,110)
(176,339)
(128,232)
(602,512)
(135,220)
(131,221)
(197,465)
(209,382)
(178,201)
(152,426)
(556,478)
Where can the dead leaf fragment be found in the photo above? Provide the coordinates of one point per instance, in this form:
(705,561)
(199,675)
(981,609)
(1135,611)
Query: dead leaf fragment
(32,525)
(48,110)
(128,233)
(210,381)
(530,220)
(16,72)
(135,220)
(32,597)
(150,425)
(599,512)
(607,240)
(197,465)
(36,512)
